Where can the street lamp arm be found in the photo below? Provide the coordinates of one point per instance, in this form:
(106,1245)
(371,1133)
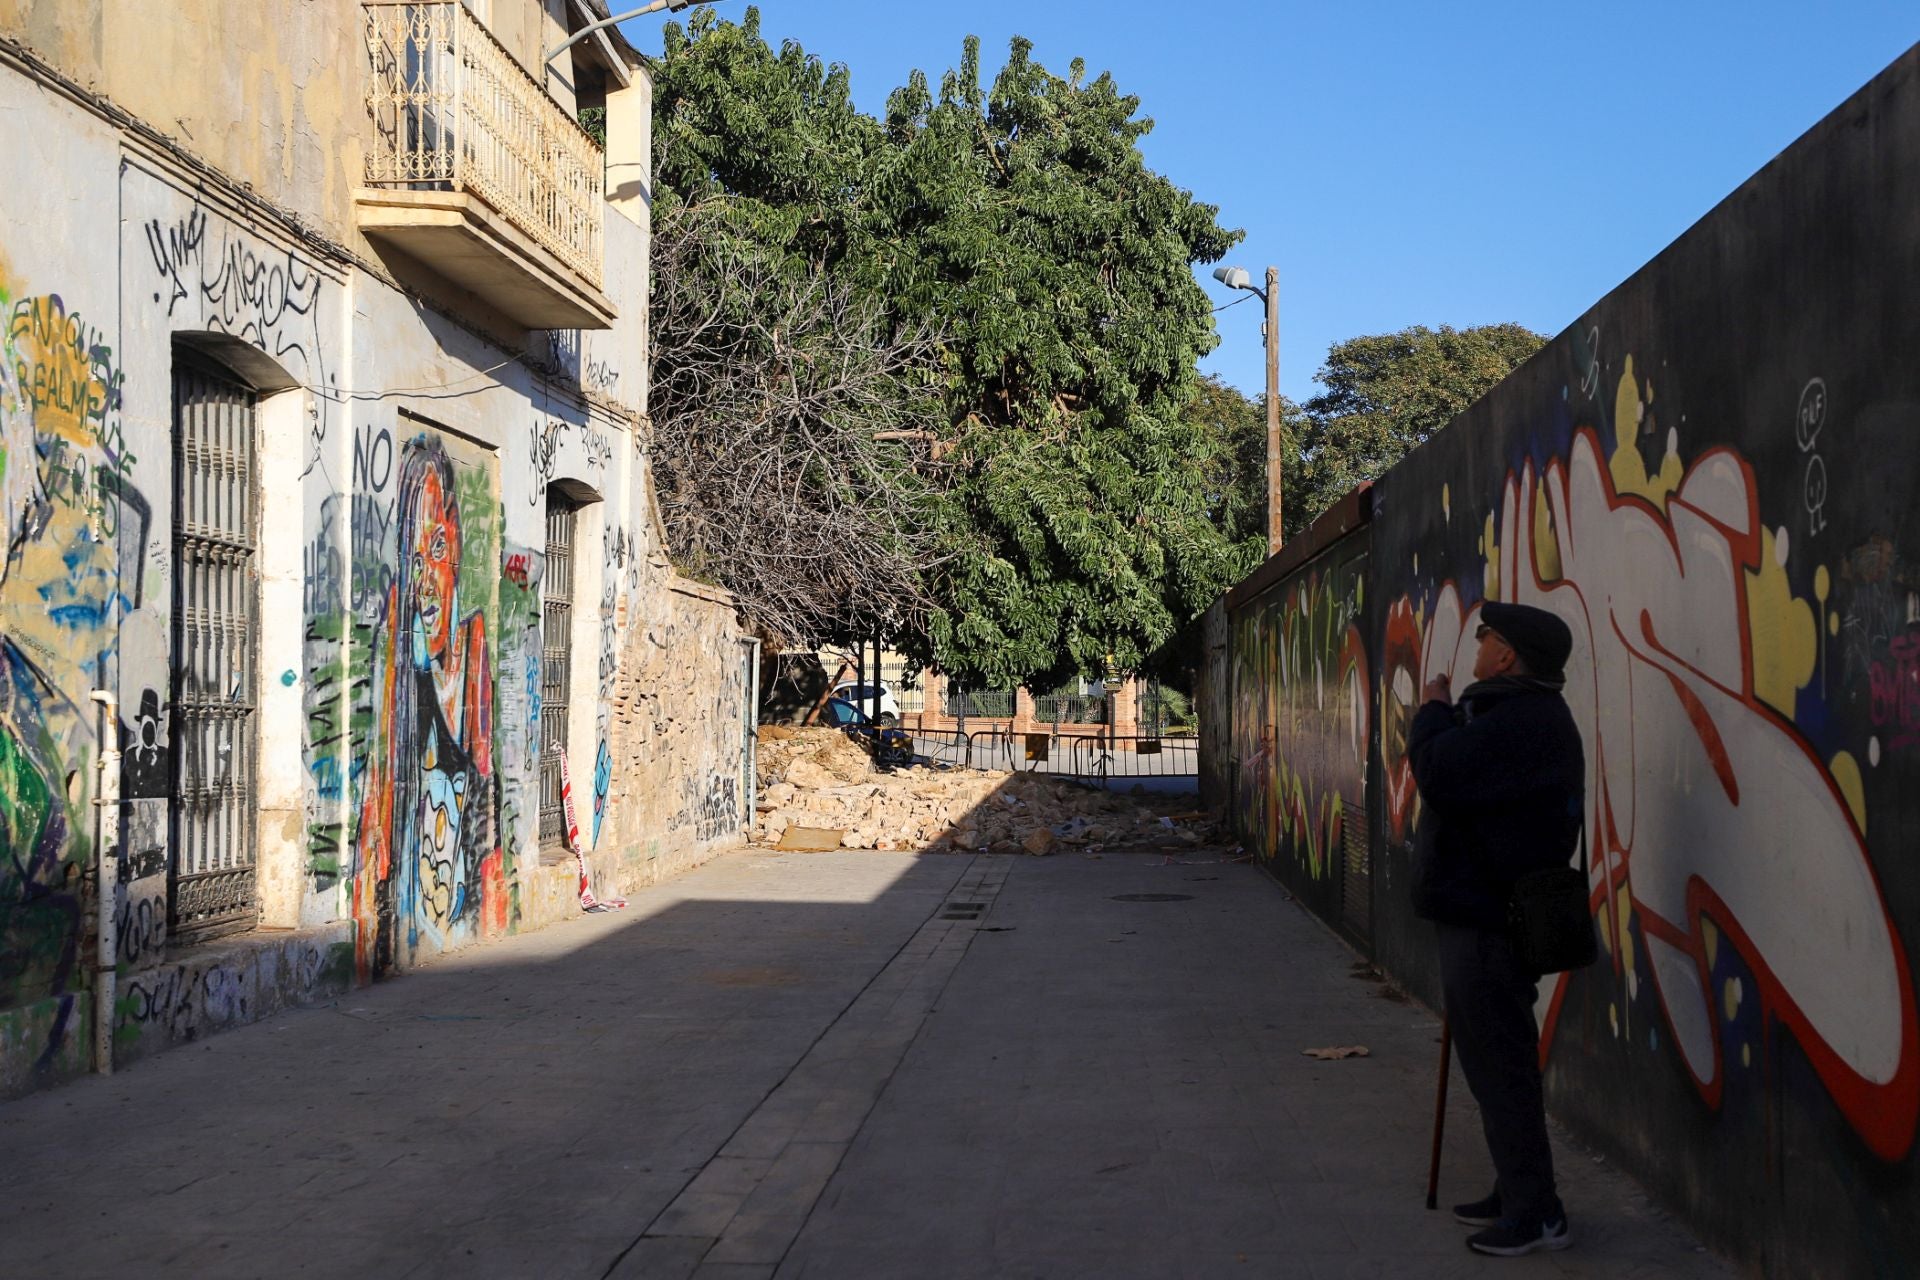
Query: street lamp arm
(673,6)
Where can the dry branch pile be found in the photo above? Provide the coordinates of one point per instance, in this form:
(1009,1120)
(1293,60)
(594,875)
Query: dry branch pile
(793,434)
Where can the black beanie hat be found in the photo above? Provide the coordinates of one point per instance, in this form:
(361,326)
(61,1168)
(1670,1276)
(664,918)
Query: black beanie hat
(1540,638)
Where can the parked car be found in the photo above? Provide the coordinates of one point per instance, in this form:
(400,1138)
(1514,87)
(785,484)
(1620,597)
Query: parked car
(889,746)
(860,695)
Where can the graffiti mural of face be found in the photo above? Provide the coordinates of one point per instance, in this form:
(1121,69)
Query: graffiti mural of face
(436,566)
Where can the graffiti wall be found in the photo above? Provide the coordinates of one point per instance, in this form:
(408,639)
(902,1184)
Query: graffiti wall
(1708,476)
(430,867)
(1303,723)
(63,467)
(385,465)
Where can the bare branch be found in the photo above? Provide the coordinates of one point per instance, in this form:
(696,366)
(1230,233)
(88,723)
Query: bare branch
(781,403)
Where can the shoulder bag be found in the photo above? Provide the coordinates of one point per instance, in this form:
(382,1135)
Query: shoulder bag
(1549,921)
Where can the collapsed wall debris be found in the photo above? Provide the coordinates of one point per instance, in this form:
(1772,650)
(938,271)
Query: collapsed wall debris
(820,779)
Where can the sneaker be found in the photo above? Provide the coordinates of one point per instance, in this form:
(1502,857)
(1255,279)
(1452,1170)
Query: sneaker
(1508,1239)
(1479,1213)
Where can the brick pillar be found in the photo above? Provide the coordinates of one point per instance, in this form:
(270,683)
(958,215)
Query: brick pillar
(932,716)
(1126,709)
(1023,710)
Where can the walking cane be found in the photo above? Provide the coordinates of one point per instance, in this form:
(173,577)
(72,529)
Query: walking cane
(1440,1110)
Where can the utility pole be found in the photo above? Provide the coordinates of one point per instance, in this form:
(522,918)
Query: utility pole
(1272,333)
(1237,278)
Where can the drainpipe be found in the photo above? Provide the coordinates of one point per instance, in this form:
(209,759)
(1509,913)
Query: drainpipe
(750,749)
(106,874)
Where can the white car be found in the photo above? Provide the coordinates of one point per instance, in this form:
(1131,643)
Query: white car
(859,694)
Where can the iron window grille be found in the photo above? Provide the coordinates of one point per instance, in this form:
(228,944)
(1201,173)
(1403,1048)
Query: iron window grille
(216,584)
(556,665)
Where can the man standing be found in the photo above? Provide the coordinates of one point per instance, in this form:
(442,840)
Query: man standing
(1501,777)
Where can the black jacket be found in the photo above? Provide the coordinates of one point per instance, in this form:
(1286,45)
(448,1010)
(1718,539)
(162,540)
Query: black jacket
(1501,779)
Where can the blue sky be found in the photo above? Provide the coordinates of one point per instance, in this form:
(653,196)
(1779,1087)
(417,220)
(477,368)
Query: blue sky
(1411,163)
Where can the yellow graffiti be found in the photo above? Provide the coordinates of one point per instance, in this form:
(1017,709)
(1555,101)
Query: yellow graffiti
(1785,641)
(1629,469)
(1491,549)
(1546,541)
(64,369)
(1846,776)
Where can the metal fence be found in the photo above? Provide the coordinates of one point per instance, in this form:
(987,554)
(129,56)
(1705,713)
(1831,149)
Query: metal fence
(983,704)
(453,111)
(1063,755)
(1070,708)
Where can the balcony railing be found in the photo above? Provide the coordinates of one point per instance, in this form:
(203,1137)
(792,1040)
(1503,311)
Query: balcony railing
(453,111)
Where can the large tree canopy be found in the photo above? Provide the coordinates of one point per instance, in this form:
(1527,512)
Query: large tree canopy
(1385,394)
(1019,225)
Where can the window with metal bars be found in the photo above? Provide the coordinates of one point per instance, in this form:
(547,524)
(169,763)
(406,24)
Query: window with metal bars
(556,664)
(216,586)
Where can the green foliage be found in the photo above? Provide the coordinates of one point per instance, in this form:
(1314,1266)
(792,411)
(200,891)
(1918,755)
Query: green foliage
(1387,393)
(1236,475)
(594,121)
(1021,222)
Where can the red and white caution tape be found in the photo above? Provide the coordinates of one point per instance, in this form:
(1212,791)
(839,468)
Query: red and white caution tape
(587,901)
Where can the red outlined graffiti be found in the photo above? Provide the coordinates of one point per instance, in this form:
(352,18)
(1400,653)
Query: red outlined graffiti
(1706,808)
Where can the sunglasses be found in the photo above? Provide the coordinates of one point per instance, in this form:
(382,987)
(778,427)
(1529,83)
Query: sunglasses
(1482,631)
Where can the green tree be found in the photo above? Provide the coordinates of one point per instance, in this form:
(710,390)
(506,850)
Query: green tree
(1020,225)
(1062,266)
(1236,476)
(1387,393)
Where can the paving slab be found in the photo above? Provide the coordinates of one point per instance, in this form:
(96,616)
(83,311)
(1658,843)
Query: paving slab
(804,1065)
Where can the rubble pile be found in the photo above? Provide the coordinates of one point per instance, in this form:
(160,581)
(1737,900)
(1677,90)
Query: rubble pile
(818,778)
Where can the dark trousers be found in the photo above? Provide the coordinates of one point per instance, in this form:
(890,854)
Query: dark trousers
(1490,1008)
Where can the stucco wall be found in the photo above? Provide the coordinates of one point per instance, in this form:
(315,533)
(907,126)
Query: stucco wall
(1709,475)
(404,465)
(271,94)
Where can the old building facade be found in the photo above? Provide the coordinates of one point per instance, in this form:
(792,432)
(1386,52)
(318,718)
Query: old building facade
(329,559)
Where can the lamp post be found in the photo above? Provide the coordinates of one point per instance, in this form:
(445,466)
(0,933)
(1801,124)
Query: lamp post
(672,6)
(1237,278)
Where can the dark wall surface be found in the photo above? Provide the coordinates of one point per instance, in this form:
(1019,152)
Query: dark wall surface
(1710,477)
(1301,735)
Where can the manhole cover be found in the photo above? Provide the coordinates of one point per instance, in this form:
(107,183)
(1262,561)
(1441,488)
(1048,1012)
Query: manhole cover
(1153,897)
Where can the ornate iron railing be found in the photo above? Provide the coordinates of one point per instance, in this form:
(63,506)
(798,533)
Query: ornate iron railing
(453,111)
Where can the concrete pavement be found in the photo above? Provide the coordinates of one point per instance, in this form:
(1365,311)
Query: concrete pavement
(813,1065)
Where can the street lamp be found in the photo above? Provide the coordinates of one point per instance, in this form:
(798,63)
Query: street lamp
(1237,278)
(671,6)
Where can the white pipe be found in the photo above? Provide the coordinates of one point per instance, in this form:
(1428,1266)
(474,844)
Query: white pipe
(106,868)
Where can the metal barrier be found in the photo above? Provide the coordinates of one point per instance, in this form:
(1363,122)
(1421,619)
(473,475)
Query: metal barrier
(1138,756)
(943,748)
(1064,755)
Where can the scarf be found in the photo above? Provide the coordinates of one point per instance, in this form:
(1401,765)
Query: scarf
(1467,705)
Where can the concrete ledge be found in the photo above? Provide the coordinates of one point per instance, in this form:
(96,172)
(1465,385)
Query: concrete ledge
(464,239)
(228,984)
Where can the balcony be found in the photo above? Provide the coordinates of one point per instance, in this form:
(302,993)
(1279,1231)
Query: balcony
(475,172)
